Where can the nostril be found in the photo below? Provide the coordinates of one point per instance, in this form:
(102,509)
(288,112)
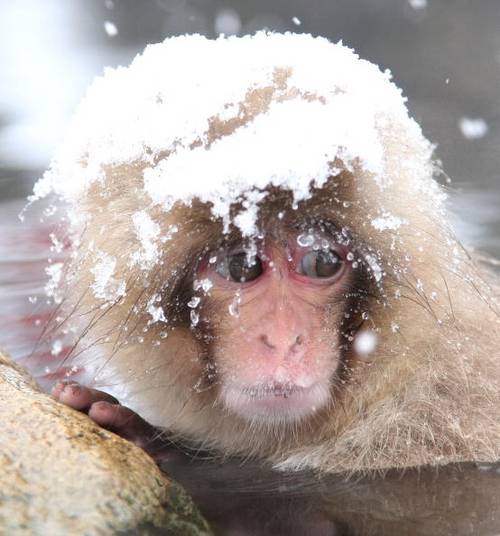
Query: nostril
(265,340)
(299,340)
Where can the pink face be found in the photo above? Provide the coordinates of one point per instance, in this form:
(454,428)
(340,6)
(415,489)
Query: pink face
(277,351)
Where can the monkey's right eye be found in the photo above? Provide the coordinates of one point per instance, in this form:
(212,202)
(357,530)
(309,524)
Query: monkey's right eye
(239,268)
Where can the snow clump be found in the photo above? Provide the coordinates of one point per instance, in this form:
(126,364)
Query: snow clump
(221,121)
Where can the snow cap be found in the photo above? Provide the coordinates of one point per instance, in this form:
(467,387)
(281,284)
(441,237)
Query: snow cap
(185,111)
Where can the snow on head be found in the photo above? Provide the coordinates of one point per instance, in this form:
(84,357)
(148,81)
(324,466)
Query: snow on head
(222,120)
(181,110)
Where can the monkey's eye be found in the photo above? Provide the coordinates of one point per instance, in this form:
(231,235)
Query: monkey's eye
(238,268)
(322,263)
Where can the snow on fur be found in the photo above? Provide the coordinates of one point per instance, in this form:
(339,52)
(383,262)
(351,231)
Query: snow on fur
(163,103)
(324,106)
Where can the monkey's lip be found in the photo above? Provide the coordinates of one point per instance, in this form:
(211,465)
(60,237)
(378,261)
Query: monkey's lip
(275,401)
(268,391)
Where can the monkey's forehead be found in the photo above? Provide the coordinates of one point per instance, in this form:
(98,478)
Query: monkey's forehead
(223,119)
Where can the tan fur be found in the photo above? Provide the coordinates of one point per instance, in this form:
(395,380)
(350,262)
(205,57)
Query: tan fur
(429,394)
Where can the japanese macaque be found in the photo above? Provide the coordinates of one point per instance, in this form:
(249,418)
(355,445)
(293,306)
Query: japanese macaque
(261,264)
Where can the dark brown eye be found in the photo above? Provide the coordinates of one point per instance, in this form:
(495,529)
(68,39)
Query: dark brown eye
(239,268)
(321,264)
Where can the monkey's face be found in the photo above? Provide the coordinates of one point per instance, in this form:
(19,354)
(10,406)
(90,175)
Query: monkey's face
(273,318)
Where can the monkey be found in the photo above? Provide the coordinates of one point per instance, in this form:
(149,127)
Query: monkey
(261,264)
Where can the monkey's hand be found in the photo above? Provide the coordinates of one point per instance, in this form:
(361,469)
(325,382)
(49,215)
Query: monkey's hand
(106,411)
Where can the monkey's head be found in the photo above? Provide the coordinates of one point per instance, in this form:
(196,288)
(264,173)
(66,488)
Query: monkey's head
(256,232)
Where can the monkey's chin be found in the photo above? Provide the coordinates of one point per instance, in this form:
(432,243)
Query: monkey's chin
(276,403)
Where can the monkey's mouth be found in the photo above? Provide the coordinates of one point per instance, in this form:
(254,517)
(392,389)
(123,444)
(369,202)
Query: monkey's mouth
(275,402)
(276,389)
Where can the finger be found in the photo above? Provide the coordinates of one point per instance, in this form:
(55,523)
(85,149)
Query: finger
(129,425)
(123,421)
(80,397)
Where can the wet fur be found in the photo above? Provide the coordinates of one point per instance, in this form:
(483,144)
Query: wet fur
(429,394)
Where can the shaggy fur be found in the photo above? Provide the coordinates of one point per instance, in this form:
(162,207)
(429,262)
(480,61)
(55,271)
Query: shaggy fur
(429,394)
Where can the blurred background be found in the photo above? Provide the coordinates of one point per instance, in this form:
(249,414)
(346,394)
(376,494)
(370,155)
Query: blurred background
(445,54)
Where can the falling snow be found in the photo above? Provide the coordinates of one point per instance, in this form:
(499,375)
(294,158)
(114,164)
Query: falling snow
(110,29)
(365,342)
(418,4)
(473,129)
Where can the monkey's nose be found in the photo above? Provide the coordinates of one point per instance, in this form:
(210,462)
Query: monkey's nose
(284,345)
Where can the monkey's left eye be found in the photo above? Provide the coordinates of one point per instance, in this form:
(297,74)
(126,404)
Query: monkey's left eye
(238,268)
(321,264)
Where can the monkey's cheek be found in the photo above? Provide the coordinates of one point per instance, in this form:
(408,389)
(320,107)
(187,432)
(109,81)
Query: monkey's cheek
(277,404)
